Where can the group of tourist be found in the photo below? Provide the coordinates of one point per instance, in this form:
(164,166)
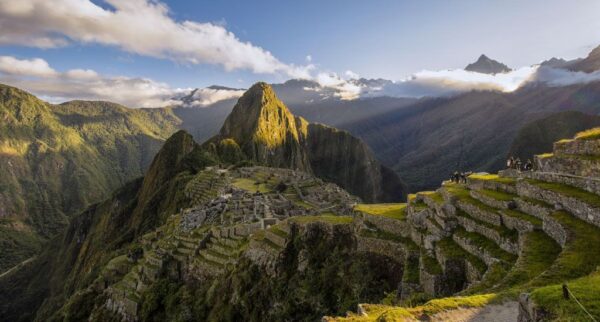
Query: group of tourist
(516,164)
(459,177)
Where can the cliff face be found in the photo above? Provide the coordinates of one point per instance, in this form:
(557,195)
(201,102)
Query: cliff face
(269,134)
(337,156)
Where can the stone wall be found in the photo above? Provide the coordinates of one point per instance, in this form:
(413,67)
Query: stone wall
(391,225)
(582,147)
(478,213)
(387,248)
(575,165)
(586,183)
(574,206)
(500,204)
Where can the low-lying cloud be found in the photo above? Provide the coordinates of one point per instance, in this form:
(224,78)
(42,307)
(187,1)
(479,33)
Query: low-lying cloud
(451,82)
(142,27)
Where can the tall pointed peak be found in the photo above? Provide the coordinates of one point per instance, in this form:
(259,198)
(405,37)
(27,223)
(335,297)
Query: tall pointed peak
(486,65)
(265,129)
(258,110)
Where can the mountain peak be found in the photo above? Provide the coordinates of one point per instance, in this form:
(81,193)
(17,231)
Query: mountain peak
(589,64)
(265,129)
(486,65)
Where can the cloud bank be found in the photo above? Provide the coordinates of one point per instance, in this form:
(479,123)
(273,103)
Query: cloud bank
(137,26)
(37,76)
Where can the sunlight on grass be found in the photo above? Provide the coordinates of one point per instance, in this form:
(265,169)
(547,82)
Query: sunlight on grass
(390,210)
(590,134)
(251,185)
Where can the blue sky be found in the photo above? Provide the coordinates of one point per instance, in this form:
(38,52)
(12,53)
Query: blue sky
(388,39)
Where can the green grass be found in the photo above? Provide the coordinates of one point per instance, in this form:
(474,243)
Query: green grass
(579,257)
(498,195)
(454,251)
(17,246)
(380,234)
(501,230)
(536,202)
(537,255)
(591,134)
(569,191)
(463,194)
(378,312)
(586,290)
(277,231)
(495,178)
(419,206)
(434,195)
(411,270)
(496,272)
(390,210)
(431,264)
(251,185)
(523,216)
(487,244)
(327,218)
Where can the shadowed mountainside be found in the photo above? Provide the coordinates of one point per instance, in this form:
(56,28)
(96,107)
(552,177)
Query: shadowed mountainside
(539,136)
(427,141)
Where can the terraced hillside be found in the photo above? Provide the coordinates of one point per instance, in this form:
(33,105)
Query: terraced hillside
(237,218)
(500,245)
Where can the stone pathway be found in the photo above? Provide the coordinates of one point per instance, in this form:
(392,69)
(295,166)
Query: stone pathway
(507,312)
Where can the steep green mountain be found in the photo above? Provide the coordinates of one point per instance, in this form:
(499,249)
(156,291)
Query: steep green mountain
(74,260)
(539,136)
(267,133)
(55,160)
(266,130)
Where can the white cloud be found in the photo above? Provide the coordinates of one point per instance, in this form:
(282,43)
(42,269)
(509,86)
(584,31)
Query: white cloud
(308,58)
(352,75)
(207,96)
(142,27)
(29,67)
(448,82)
(342,87)
(35,75)
(563,77)
(81,74)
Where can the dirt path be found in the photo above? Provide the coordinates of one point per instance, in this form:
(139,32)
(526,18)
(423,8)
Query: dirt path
(507,312)
(14,268)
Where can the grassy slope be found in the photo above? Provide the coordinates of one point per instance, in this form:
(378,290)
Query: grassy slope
(55,160)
